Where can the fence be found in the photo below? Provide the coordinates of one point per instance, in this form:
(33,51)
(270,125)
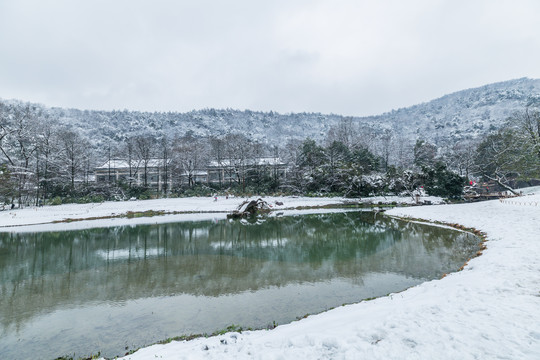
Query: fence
(519,202)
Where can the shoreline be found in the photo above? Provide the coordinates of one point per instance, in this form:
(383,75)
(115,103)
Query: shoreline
(109,213)
(96,212)
(488,310)
(236,328)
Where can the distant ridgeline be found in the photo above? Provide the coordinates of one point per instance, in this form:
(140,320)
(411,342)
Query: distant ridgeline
(462,115)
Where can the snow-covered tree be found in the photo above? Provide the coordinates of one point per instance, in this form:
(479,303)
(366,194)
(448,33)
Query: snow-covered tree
(424,153)
(498,157)
(18,144)
(48,156)
(527,130)
(144,150)
(512,153)
(190,154)
(165,154)
(73,155)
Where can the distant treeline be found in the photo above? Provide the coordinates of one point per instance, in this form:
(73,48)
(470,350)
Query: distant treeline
(44,161)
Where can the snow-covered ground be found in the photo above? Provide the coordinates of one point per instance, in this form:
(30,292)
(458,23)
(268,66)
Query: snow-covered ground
(402,200)
(194,208)
(490,310)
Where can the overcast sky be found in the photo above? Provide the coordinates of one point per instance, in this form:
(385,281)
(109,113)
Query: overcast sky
(349,57)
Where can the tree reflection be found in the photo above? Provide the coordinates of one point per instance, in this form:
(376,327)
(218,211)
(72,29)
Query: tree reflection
(43,271)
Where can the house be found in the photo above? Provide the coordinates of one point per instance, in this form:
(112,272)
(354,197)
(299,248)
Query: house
(194,177)
(151,172)
(237,170)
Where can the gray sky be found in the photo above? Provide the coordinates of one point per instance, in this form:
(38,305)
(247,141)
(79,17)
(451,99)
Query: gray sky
(349,57)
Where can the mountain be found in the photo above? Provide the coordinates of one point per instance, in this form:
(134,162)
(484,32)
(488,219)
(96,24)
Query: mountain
(464,114)
(461,115)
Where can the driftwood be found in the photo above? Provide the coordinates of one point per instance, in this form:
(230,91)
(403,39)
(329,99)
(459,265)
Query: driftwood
(250,208)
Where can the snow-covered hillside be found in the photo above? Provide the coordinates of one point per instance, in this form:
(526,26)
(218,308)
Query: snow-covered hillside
(462,115)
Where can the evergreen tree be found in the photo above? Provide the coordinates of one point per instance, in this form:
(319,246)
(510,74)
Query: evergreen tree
(312,157)
(439,181)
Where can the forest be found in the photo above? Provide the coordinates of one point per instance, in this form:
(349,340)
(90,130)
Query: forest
(44,161)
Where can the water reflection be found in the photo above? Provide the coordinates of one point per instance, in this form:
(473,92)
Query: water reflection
(309,263)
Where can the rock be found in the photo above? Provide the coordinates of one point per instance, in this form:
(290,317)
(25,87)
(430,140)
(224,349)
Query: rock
(250,208)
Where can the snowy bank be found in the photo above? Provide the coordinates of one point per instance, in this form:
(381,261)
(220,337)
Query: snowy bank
(402,200)
(113,213)
(490,310)
(192,208)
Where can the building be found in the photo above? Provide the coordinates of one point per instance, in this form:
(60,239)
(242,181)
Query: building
(236,170)
(151,172)
(194,177)
(216,172)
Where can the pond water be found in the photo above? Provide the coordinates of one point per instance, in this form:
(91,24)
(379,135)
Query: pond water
(114,289)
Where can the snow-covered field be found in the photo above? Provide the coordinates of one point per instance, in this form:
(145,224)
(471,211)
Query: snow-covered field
(490,310)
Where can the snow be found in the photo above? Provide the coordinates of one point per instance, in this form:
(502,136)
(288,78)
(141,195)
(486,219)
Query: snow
(195,208)
(407,200)
(490,310)
(467,114)
(191,208)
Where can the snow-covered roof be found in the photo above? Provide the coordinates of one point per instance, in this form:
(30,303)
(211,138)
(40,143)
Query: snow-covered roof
(272,161)
(115,164)
(124,164)
(195,173)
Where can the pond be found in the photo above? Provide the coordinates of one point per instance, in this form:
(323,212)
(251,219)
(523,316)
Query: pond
(119,288)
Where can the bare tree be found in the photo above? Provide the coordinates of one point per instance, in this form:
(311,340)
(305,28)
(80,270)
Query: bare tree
(513,153)
(497,158)
(7,186)
(425,153)
(343,132)
(74,150)
(239,151)
(48,153)
(165,152)
(144,149)
(190,155)
(128,152)
(21,146)
(461,157)
(402,152)
(292,156)
(217,152)
(529,123)
(5,131)
(385,147)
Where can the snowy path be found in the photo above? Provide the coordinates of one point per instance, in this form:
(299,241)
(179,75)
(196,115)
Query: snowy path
(490,310)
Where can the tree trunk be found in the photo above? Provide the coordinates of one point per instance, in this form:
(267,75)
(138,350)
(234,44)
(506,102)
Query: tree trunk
(506,186)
